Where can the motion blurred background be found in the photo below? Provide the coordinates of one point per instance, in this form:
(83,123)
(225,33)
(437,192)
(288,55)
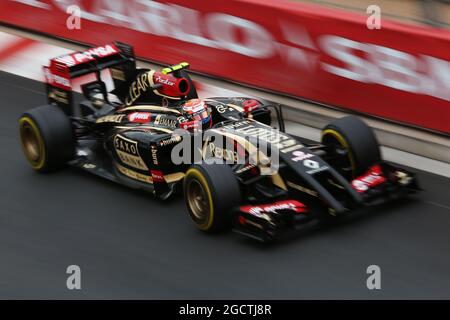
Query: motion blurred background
(431,12)
(320,61)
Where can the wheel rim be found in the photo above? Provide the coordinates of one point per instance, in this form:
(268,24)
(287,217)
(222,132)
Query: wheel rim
(341,154)
(31,143)
(198,201)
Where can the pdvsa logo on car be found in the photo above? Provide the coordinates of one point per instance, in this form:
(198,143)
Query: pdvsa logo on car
(99,51)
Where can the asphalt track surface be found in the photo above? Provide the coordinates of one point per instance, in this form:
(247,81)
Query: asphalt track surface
(129,245)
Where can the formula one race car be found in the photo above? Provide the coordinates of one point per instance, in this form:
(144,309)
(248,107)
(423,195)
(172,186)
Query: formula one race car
(235,170)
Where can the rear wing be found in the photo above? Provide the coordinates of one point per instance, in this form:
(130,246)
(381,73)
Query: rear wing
(118,57)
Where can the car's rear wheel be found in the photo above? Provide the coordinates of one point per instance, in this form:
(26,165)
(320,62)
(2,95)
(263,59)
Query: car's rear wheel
(46,137)
(210,192)
(352,145)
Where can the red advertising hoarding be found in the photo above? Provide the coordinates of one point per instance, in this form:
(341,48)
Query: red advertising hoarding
(398,72)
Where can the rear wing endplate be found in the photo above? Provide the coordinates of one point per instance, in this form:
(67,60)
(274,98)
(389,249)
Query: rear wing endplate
(63,69)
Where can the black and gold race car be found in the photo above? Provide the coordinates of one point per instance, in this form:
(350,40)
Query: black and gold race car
(234,167)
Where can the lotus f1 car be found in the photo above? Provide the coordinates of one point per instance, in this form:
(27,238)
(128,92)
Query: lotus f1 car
(236,171)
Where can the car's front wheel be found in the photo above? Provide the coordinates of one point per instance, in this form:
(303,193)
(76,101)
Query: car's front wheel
(352,146)
(210,192)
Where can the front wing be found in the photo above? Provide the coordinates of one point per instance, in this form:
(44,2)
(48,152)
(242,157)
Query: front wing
(268,221)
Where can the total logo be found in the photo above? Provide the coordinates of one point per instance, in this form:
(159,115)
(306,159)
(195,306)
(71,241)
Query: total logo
(140,117)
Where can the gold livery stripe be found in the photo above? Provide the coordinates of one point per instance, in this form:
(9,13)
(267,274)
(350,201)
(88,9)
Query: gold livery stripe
(134,175)
(150,108)
(169,178)
(278,181)
(145,127)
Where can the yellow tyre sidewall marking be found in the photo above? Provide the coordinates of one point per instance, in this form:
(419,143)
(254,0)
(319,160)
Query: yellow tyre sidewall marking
(42,156)
(343,142)
(200,177)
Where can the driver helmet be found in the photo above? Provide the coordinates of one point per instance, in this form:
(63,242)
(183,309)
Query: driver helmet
(197,110)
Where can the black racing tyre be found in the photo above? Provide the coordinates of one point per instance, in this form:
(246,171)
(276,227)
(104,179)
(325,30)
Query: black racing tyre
(210,192)
(47,138)
(353,145)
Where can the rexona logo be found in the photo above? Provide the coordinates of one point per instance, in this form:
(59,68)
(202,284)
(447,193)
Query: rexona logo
(140,117)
